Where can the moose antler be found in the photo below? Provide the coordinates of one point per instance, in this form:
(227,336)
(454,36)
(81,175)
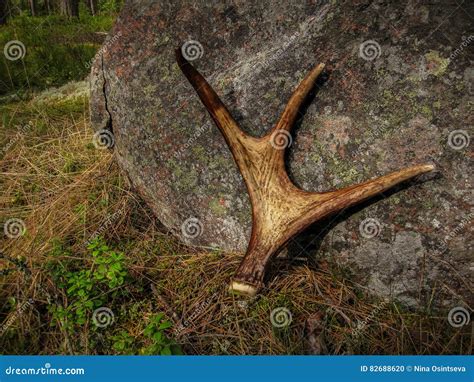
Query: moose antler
(280,210)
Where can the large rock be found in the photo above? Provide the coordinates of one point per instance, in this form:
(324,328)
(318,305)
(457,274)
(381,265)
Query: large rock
(398,92)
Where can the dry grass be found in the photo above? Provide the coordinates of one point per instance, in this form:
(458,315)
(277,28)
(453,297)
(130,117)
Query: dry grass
(64,189)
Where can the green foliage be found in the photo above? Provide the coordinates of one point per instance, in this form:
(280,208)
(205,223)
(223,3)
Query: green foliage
(123,343)
(155,342)
(57,50)
(110,6)
(86,289)
(110,268)
(71,165)
(160,343)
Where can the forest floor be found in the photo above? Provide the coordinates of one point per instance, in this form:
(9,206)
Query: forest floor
(87,269)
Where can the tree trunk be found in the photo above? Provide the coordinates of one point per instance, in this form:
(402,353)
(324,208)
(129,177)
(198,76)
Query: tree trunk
(70,8)
(92,5)
(32,4)
(3,12)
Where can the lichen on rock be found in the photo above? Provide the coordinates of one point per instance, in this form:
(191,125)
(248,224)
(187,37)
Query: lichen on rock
(394,95)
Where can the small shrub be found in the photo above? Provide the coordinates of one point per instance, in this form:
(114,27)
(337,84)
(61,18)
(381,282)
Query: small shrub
(160,343)
(87,289)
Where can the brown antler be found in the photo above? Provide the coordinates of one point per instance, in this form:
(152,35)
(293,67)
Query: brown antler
(280,210)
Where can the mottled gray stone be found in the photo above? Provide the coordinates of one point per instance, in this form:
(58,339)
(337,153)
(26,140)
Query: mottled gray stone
(368,118)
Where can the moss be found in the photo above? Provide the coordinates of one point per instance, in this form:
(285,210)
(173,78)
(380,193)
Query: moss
(218,161)
(200,152)
(394,199)
(343,170)
(437,65)
(181,178)
(149,91)
(315,157)
(71,165)
(217,207)
(427,112)
(189,181)
(428,203)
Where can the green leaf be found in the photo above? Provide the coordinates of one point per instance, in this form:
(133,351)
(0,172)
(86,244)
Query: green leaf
(158,336)
(165,325)
(176,349)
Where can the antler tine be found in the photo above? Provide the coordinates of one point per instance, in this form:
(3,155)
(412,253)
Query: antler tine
(288,116)
(334,201)
(216,108)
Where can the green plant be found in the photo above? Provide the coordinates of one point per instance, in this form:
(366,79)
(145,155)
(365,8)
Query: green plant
(160,343)
(56,50)
(87,289)
(71,165)
(81,210)
(109,264)
(123,343)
